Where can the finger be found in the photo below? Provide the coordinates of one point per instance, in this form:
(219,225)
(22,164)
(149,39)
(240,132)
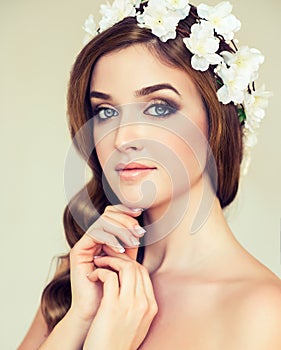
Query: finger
(134,212)
(132,252)
(125,221)
(110,226)
(127,271)
(108,278)
(104,238)
(147,285)
(84,250)
(143,271)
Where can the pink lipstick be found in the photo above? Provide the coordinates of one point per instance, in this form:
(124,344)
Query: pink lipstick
(133,171)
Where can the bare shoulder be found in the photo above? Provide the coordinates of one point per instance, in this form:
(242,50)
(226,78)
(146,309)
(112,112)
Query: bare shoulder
(254,315)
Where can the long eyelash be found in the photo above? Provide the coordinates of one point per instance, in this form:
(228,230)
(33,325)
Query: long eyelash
(97,110)
(167,101)
(93,110)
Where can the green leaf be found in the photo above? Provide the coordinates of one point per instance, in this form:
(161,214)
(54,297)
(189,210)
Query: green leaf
(242,115)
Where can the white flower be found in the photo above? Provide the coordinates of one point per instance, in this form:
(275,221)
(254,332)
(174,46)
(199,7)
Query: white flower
(255,105)
(112,14)
(159,20)
(181,7)
(203,44)
(246,60)
(249,141)
(221,18)
(90,28)
(136,3)
(249,138)
(176,4)
(233,85)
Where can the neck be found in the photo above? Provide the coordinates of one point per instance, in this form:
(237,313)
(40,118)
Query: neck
(179,240)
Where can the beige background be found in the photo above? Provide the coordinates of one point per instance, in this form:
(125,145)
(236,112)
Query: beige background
(39,41)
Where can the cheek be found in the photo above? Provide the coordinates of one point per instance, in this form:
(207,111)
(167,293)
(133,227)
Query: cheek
(187,141)
(187,161)
(103,147)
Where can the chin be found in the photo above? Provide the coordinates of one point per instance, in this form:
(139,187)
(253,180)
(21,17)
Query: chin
(137,200)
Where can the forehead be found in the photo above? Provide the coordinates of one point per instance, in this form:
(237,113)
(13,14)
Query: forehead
(135,67)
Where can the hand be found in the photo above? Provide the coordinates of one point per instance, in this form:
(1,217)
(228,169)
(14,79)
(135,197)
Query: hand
(128,305)
(116,221)
(120,222)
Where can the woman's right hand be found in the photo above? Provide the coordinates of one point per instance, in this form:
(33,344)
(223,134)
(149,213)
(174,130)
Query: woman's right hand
(116,222)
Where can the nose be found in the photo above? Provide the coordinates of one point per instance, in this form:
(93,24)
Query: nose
(129,134)
(128,138)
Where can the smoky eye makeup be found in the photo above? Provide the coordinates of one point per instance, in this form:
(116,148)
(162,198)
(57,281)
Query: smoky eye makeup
(161,108)
(154,107)
(104,112)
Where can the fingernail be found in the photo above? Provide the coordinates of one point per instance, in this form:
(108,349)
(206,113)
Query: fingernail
(139,230)
(136,209)
(119,249)
(97,256)
(134,241)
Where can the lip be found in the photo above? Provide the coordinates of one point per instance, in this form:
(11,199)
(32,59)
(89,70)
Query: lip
(133,165)
(133,170)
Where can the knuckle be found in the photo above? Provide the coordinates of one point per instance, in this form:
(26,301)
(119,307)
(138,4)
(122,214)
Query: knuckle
(114,277)
(73,254)
(143,270)
(108,211)
(153,309)
(107,208)
(73,251)
(130,266)
(143,306)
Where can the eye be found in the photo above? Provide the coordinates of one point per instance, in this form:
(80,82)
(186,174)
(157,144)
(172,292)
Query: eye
(160,110)
(105,113)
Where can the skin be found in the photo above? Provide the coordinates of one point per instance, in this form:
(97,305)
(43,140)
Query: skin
(193,291)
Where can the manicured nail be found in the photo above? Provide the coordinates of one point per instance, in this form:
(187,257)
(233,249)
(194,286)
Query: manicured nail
(97,256)
(136,209)
(139,230)
(119,249)
(134,241)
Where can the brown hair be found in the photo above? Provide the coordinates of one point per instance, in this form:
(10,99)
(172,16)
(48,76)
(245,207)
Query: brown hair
(225,137)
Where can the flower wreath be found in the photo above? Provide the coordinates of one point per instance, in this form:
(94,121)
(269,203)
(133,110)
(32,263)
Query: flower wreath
(236,71)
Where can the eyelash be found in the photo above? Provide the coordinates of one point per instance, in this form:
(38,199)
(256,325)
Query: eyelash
(99,110)
(170,108)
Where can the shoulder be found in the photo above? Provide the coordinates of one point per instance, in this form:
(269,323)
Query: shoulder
(255,319)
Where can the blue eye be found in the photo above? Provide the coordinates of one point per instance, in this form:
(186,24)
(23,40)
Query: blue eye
(160,110)
(105,113)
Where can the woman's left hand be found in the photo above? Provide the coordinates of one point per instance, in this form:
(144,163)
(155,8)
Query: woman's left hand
(128,305)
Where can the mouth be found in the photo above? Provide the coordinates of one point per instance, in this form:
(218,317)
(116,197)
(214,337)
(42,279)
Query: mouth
(134,171)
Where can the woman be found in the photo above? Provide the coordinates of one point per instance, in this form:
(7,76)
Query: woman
(153,263)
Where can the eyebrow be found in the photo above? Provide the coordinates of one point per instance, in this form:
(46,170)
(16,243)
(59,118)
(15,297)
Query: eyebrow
(150,89)
(142,92)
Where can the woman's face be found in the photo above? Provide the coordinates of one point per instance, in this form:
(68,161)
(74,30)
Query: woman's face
(150,127)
